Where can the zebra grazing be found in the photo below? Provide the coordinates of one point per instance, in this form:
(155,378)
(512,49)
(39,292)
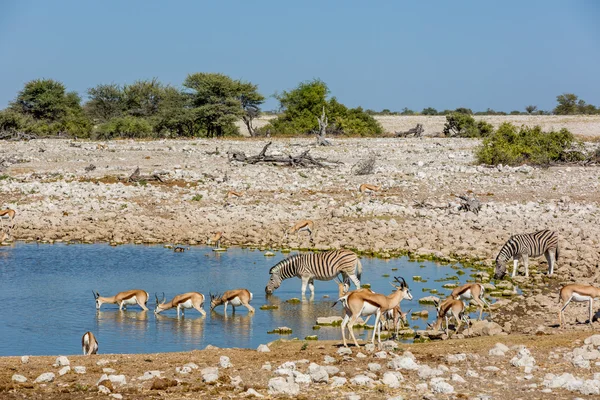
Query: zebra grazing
(321,266)
(528,245)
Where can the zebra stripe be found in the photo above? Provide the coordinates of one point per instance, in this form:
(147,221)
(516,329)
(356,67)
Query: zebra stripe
(529,244)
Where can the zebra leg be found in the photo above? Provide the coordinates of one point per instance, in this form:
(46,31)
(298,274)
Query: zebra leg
(550,258)
(311,287)
(355,280)
(304,283)
(515,264)
(526,263)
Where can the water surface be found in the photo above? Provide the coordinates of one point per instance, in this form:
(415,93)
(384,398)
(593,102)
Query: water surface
(47,301)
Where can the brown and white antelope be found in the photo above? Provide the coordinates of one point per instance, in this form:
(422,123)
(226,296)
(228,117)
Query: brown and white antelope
(447,309)
(368,189)
(304,225)
(236,297)
(579,293)
(89,344)
(124,299)
(232,194)
(7,214)
(216,240)
(393,318)
(472,291)
(181,302)
(363,303)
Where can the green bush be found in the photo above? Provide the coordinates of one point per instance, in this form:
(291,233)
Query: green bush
(463,125)
(127,127)
(12,121)
(513,146)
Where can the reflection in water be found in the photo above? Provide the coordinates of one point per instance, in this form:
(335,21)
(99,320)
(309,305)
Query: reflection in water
(237,325)
(191,329)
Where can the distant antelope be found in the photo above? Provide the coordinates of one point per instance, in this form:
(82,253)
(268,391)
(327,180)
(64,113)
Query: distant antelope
(321,266)
(304,225)
(364,303)
(124,299)
(237,297)
(8,214)
(233,194)
(450,308)
(578,293)
(89,344)
(368,189)
(528,245)
(179,249)
(181,302)
(473,291)
(216,240)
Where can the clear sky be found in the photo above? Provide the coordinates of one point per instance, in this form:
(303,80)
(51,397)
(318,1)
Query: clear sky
(387,54)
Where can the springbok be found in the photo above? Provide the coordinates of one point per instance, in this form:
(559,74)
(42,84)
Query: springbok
(450,308)
(216,240)
(368,189)
(579,293)
(304,225)
(474,291)
(395,316)
(237,297)
(181,302)
(233,194)
(364,303)
(8,214)
(124,299)
(89,344)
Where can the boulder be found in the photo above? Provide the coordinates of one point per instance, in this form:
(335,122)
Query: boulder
(318,374)
(62,361)
(45,377)
(19,378)
(281,385)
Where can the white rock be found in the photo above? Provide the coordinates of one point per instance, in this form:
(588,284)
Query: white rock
(594,340)
(109,370)
(331,370)
(337,381)
(317,373)
(455,358)
(210,374)
(252,392)
(19,378)
(370,347)
(426,372)
(402,362)
(496,352)
(103,389)
(64,370)
(266,366)
(191,365)
(374,367)
(45,377)
(579,362)
(502,347)
(147,375)
(225,362)
(389,345)
(80,369)
(282,385)
(118,379)
(328,360)
(24,359)
(590,387)
(62,361)
(491,368)
(352,396)
(421,387)
(183,370)
(263,348)
(439,385)
(117,396)
(523,359)
(472,374)
(392,379)
(361,380)
(301,378)
(458,378)
(102,362)
(381,354)
(344,351)
(360,355)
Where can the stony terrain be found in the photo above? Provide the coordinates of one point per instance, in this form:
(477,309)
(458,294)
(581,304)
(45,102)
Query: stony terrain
(506,367)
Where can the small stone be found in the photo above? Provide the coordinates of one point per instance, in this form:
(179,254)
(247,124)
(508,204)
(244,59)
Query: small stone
(119,379)
(147,375)
(344,351)
(491,368)
(456,358)
(361,380)
(45,377)
(211,347)
(183,370)
(19,378)
(103,389)
(318,374)
(191,365)
(328,360)
(439,385)
(458,378)
(472,374)
(381,354)
(210,374)
(252,392)
(370,347)
(263,348)
(24,359)
(236,381)
(64,370)
(109,370)
(102,362)
(117,396)
(403,362)
(266,366)
(392,379)
(285,386)
(224,362)
(62,361)
(374,367)
(79,370)
(338,381)
(331,370)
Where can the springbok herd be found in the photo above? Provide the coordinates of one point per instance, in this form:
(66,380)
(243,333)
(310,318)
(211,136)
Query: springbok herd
(345,267)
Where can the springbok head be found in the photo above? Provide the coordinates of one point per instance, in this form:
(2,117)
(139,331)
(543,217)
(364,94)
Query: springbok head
(343,287)
(403,287)
(158,307)
(97,298)
(215,300)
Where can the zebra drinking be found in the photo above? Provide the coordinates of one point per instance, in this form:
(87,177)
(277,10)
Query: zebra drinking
(528,245)
(321,266)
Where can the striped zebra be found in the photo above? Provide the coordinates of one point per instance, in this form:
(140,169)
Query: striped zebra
(321,266)
(528,245)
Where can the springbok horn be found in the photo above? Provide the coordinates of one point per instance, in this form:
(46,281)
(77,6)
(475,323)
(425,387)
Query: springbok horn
(94,293)
(404,281)
(156,297)
(163,298)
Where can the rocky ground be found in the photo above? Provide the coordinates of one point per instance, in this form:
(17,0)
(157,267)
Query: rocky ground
(506,367)
(78,191)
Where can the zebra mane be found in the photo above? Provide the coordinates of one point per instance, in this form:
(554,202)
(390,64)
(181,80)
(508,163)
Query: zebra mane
(286,261)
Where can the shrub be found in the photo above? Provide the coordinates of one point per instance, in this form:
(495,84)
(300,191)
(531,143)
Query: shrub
(464,125)
(12,121)
(513,146)
(429,111)
(128,127)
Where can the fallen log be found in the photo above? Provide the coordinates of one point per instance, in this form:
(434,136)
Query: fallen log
(136,176)
(304,159)
(469,204)
(416,132)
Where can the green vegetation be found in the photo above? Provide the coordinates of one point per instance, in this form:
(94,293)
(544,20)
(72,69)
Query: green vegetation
(570,104)
(462,124)
(302,105)
(197,197)
(514,146)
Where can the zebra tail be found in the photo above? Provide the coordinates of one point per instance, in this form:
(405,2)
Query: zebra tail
(556,257)
(358,268)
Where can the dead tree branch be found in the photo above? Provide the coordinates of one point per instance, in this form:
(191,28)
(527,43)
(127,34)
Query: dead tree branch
(416,132)
(469,204)
(323,122)
(304,159)
(138,177)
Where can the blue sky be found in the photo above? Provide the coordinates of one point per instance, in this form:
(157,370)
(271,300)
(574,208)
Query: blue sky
(387,54)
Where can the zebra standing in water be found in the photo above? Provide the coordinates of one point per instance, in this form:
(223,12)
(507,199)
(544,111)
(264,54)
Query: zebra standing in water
(321,266)
(528,245)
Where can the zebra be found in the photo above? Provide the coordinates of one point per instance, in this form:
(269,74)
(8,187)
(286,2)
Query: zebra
(321,266)
(528,245)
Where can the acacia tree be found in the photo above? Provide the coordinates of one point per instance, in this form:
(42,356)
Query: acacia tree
(45,99)
(567,104)
(250,101)
(105,101)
